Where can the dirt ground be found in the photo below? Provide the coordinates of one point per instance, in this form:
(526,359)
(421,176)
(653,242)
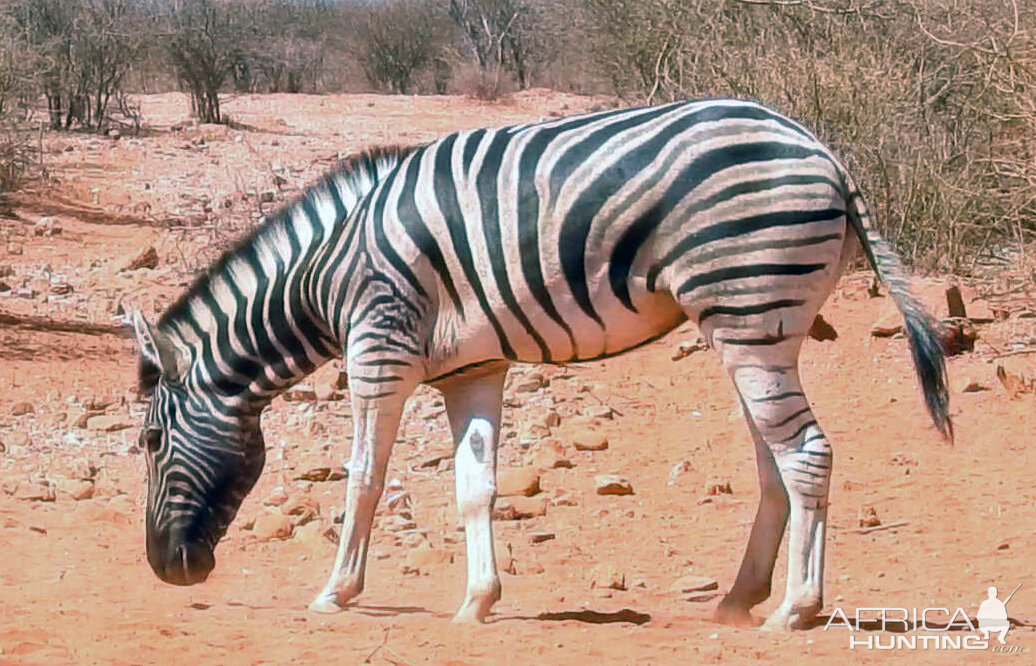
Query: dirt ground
(75,586)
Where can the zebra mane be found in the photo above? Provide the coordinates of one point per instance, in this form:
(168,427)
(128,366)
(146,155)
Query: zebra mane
(358,172)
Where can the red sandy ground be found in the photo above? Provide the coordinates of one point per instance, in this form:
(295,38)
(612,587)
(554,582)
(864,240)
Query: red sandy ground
(75,585)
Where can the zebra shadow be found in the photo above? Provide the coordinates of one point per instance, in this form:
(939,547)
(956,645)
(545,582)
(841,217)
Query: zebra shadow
(587,616)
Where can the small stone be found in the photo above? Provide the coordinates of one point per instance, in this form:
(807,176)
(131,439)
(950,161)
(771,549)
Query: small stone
(300,393)
(868,517)
(687,348)
(302,508)
(821,330)
(607,576)
(61,288)
(146,259)
(106,423)
(980,312)
(540,537)
(277,497)
(519,508)
(971,385)
(889,321)
(601,412)
(320,474)
(518,481)
(326,393)
(612,484)
(677,470)
(590,442)
(552,419)
(20,408)
(422,560)
(532,382)
(271,526)
(35,491)
(691,584)
(267,196)
(715,486)
(549,455)
(78,490)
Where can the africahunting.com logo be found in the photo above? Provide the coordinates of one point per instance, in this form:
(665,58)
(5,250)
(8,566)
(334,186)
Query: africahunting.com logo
(929,628)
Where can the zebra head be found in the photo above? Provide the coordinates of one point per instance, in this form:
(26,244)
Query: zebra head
(202,460)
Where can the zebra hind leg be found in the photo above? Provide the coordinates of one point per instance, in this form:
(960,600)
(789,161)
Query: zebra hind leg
(779,412)
(473,404)
(752,585)
(379,390)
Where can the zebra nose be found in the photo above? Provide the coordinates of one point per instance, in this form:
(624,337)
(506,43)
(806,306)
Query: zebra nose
(187,564)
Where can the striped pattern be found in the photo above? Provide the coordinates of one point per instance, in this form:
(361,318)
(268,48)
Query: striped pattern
(569,240)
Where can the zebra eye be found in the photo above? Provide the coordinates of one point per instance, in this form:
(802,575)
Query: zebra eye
(152,439)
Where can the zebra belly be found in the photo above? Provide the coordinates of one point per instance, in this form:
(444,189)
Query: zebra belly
(478,338)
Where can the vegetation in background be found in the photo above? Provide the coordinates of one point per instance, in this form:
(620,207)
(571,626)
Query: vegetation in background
(932,101)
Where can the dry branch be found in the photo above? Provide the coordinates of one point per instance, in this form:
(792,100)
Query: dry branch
(36,323)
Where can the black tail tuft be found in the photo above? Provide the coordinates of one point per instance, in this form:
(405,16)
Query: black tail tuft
(924,343)
(931,368)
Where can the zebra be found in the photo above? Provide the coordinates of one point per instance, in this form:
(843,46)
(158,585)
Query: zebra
(561,241)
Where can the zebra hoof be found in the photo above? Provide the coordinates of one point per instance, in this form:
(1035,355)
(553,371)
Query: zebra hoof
(326,604)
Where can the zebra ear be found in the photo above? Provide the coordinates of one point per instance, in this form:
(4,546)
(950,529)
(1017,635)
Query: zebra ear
(157,353)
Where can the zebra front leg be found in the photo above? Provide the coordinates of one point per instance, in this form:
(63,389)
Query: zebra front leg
(377,407)
(473,406)
(752,585)
(779,410)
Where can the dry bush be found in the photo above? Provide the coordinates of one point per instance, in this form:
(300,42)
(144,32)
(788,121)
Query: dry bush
(399,41)
(934,102)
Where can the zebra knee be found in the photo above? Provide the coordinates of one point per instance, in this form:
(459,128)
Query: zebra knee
(476,485)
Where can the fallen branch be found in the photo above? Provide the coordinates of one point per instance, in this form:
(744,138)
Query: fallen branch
(34,323)
(1015,352)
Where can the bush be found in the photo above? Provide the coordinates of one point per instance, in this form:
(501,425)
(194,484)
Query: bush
(934,103)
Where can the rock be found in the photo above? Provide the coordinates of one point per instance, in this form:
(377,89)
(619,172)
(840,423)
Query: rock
(601,412)
(267,196)
(691,584)
(422,560)
(687,348)
(106,423)
(77,489)
(146,259)
(302,508)
(61,288)
(677,470)
(20,408)
(326,393)
(271,526)
(4,286)
(519,508)
(300,393)
(590,442)
(1017,376)
(551,419)
(540,537)
(612,484)
(821,330)
(549,455)
(715,486)
(956,336)
(277,497)
(396,523)
(980,312)
(971,385)
(35,491)
(319,474)
(868,517)
(532,382)
(518,481)
(889,321)
(607,576)
(314,534)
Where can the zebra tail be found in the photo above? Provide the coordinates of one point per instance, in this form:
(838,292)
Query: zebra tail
(924,342)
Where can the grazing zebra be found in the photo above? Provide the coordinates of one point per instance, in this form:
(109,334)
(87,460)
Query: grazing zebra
(561,241)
